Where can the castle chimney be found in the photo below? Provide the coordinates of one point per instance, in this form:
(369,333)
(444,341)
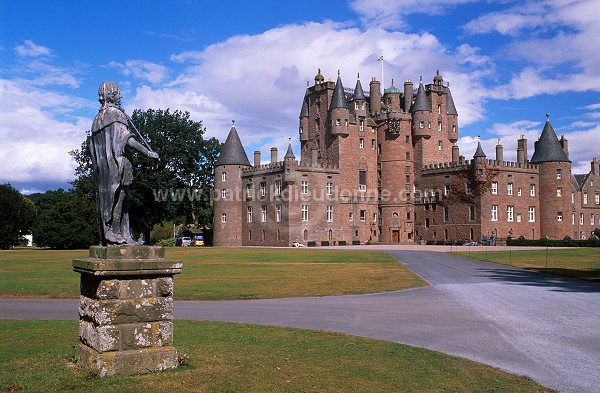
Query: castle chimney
(257,158)
(595,167)
(408,95)
(522,150)
(499,152)
(565,144)
(273,155)
(375,98)
(455,153)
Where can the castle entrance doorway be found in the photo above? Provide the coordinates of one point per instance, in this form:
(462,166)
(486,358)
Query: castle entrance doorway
(395,236)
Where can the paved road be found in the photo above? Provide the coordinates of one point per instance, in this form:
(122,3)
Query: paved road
(527,323)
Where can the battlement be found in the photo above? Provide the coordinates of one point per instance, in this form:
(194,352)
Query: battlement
(467,164)
(273,167)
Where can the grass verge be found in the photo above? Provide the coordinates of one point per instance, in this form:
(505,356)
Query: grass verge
(223,273)
(35,355)
(581,263)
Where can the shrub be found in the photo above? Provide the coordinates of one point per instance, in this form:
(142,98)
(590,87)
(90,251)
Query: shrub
(356,242)
(312,244)
(324,242)
(342,242)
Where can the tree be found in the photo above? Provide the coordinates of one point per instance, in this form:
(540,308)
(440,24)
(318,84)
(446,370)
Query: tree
(17,213)
(65,220)
(177,187)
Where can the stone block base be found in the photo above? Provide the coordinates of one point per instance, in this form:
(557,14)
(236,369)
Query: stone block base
(140,361)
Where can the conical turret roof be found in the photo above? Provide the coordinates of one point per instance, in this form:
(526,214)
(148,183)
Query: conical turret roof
(421,101)
(548,147)
(233,152)
(479,152)
(359,94)
(289,153)
(450,107)
(304,110)
(339,97)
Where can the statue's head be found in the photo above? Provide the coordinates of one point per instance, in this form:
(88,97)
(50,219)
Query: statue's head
(108,93)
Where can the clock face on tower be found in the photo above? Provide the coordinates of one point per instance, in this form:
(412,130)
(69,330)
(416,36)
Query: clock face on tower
(394,126)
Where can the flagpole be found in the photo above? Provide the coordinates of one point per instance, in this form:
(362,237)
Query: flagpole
(382,80)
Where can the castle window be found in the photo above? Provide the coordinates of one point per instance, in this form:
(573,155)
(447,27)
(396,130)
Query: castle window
(277,187)
(494,212)
(573,219)
(592,220)
(439,109)
(248,191)
(581,218)
(559,216)
(304,212)
(408,181)
(362,105)
(224,193)
(469,188)
(329,189)
(446,213)
(519,191)
(471,213)
(509,189)
(304,187)
(223,217)
(250,214)
(363,215)
(559,173)
(361,143)
(408,156)
(439,126)
(446,189)
(494,188)
(279,215)
(407,169)
(329,213)
(558,191)
(531,212)
(223,176)
(362,180)
(350,216)
(263,211)
(305,234)
(361,126)
(301,131)
(407,139)
(421,124)
(585,198)
(373,144)
(532,190)
(338,122)
(597,199)
(453,128)
(263,188)
(572,197)
(518,217)
(509,213)
(374,217)
(346,123)
(429,125)
(439,145)
(427,222)
(356,105)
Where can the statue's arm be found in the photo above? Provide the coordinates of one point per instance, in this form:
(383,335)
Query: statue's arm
(131,142)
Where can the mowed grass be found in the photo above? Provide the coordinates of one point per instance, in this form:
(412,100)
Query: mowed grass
(223,273)
(37,356)
(581,263)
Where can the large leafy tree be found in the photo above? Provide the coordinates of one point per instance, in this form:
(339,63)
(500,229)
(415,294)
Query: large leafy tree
(17,214)
(175,188)
(65,220)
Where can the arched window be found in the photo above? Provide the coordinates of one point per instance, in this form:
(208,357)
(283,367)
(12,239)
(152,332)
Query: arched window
(305,234)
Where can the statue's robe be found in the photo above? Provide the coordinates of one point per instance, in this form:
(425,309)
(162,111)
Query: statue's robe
(113,173)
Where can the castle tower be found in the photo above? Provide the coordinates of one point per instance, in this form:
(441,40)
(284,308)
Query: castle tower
(451,117)
(338,111)
(359,101)
(421,127)
(391,96)
(228,191)
(555,184)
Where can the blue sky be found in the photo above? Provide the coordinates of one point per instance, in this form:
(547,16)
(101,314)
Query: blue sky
(508,64)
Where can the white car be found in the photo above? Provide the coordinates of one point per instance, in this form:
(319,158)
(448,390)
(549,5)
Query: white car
(296,244)
(471,243)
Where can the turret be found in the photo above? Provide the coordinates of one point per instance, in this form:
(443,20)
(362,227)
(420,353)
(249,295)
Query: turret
(228,189)
(303,129)
(338,110)
(391,96)
(421,114)
(359,101)
(375,96)
(555,181)
(452,117)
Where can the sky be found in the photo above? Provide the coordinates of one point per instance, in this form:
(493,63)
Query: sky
(509,63)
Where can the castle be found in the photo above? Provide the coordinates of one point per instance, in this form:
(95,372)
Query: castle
(385,168)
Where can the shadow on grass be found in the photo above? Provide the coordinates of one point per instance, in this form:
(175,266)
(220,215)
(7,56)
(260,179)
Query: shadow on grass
(563,280)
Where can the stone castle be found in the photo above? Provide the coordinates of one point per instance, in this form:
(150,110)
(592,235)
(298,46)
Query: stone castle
(385,168)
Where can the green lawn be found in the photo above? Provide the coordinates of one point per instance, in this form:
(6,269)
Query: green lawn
(223,273)
(582,263)
(36,355)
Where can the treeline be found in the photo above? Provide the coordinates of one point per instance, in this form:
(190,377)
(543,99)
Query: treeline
(67,219)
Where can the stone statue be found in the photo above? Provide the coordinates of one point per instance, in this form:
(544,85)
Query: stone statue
(111,143)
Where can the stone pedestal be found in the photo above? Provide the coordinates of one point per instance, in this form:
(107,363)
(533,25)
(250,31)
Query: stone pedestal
(126,310)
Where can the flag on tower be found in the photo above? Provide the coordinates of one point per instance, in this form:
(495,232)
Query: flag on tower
(380,58)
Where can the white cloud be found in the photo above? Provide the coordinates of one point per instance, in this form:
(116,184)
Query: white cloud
(142,69)
(30,49)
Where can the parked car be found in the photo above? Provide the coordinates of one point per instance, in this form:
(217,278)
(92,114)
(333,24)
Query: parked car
(296,244)
(471,243)
(183,241)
